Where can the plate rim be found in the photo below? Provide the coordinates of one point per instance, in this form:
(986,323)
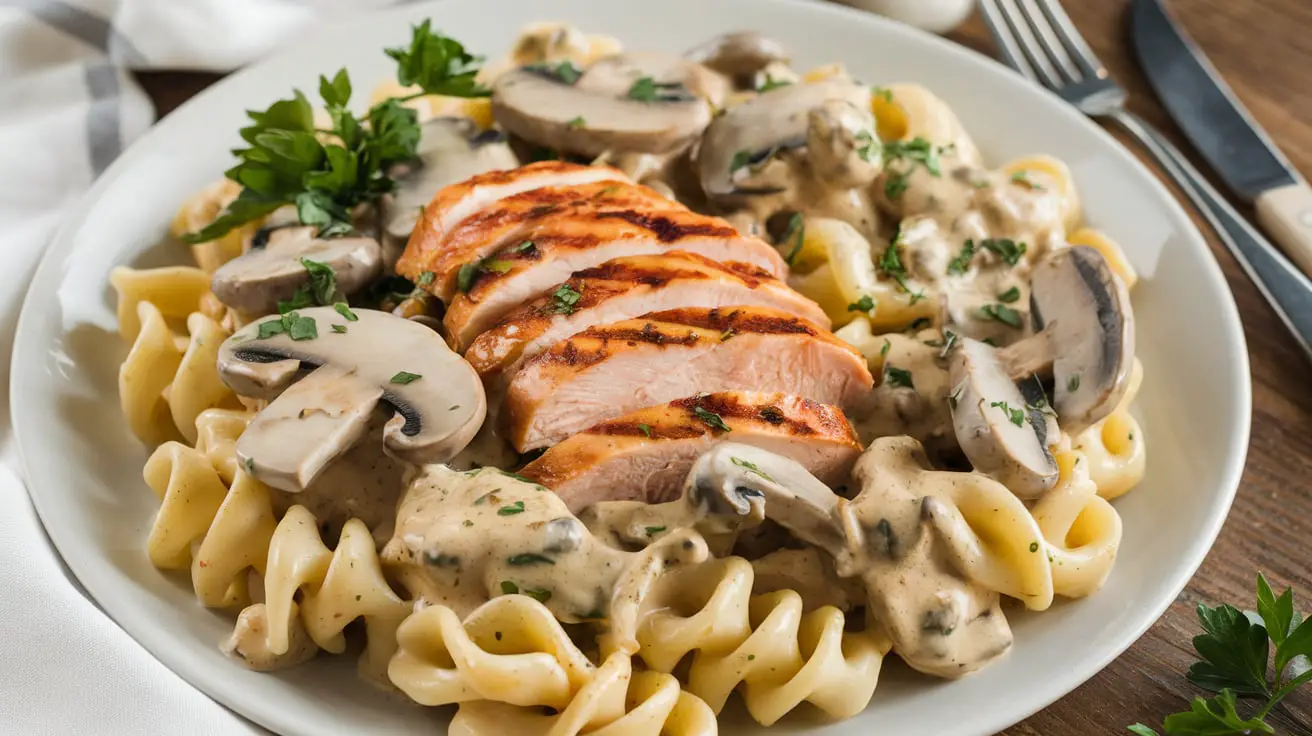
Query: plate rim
(1060,683)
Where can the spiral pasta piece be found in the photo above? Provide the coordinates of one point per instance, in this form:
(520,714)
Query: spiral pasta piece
(616,702)
(220,532)
(1081,531)
(1115,447)
(509,650)
(780,655)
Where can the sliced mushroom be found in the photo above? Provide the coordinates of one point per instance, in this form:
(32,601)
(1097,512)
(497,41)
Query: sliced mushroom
(602,110)
(993,422)
(739,55)
(748,134)
(450,150)
(325,388)
(842,146)
(257,280)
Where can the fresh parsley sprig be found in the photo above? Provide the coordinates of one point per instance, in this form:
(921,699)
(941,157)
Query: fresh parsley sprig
(1236,651)
(325,174)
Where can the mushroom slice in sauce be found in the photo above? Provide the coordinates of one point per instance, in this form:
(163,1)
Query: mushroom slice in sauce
(436,396)
(739,56)
(748,134)
(1085,338)
(643,102)
(254,282)
(450,150)
(993,422)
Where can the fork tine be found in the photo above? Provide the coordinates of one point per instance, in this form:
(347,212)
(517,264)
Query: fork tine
(1048,39)
(1008,47)
(1087,61)
(1030,45)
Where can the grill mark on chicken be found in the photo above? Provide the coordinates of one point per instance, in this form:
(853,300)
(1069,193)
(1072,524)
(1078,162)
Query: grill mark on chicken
(665,229)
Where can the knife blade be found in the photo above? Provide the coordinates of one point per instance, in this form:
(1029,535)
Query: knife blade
(1222,130)
(1204,106)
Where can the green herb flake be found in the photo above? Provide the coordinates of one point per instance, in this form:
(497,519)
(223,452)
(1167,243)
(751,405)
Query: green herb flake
(512,509)
(425,278)
(797,235)
(646,89)
(897,377)
(949,339)
(300,328)
(529,558)
(1001,313)
(509,588)
(270,328)
(469,522)
(890,263)
(577,122)
(728,334)
(1008,250)
(465,276)
(750,467)
(772,83)
(961,264)
(917,151)
(250,466)
(883,351)
(865,304)
(654,530)
(1010,295)
(869,148)
(564,299)
(883,93)
(645,429)
(1023,177)
(405,377)
(710,419)
(346,312)
(1073,383)
(740,160)
(524,247)
(1015,416)
(541,595)
(438,559)
(339,329)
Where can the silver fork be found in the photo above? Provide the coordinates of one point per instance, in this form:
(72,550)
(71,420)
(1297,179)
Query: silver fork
(1038,39)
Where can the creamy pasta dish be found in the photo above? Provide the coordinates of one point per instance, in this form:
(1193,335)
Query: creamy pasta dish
(585,389)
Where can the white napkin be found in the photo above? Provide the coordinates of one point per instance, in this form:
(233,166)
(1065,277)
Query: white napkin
(67,109)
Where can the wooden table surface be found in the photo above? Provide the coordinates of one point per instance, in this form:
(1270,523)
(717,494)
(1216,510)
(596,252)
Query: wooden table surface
(1264,50)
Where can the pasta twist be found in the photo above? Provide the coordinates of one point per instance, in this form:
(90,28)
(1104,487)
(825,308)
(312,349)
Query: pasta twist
(615,702)
(1115,447)
(509,650)
(780,655)
(1081,531)
(220,532)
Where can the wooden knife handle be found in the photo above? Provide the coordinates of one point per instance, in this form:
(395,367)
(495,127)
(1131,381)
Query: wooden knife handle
(1286,215)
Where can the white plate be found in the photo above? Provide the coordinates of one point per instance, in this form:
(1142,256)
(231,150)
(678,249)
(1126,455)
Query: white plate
(84,466)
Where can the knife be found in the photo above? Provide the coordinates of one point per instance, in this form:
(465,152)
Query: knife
(1222,130)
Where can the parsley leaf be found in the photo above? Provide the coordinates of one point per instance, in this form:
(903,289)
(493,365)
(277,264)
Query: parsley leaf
(438,65)
(917,151)
(577,122)
(564,298)
(1010,295)
(898,377)
(796,229)
(1008,250)
(890,263)
(1001,313)
(710,419)
(1015,416)
(405,377)
(646,89)
(565,71)
(346,312)
(864,304)
(870,148)
(772,83)
(645,429)
(529,558)
(961,264)
(512,509)
(1022,177)
(750,467)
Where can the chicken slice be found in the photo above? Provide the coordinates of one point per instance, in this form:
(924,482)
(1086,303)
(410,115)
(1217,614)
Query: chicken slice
(569,243)
(453,204)
(508,224)
(610,370)
(645,455)
(622,289)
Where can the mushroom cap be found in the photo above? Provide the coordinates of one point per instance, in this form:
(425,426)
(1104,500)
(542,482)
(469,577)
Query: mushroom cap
(984,403)
(774,120)
(1084,310)
(739,55)
(436,414)
(451,149)
(596,114)
(254,282)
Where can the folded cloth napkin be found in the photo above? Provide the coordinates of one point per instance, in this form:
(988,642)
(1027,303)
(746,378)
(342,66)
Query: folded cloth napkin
(68,106)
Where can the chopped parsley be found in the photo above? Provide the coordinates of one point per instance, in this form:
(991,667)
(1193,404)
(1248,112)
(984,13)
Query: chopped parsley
(646,89)
(1001,313)
(511,509)
(740,160)
(292,324)
(710,419)
(405,377)
(897,377)
(653,530)
(529,558)
(346,312)
(949,339)
(750,467)
(468,273)
(1073,383)
(577,122)
(509,588)
(438,559)
(339,329)
(772,83)
(1008,250)
(1016,416)
(564,298)
(796,229)
(1010,295)
(865,304)
(870,148)
(728,334)
(425,278)
(565,71)
(541,595)
(883,93)
(645,429)
(524,247)
(890,263)
(1023,177)
(916,151)
(961,264)
(884,350)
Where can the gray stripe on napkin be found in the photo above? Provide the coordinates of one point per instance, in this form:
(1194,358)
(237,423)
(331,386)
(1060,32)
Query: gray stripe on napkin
(103,137)
(78,23)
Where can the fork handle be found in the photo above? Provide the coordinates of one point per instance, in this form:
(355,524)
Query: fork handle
(1286,213)
(1283,286)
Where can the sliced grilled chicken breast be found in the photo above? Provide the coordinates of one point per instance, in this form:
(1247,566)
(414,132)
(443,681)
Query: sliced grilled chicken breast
(610,370)
(455,203)
(570,243)
(510,222)
(625,288)
(645,455)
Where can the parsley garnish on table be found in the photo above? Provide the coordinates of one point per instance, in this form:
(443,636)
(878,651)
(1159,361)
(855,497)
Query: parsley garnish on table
(326,173)
(1236,650)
